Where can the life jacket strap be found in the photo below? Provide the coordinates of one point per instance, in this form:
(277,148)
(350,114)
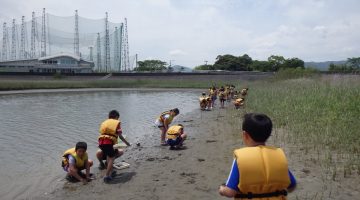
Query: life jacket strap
(263,195)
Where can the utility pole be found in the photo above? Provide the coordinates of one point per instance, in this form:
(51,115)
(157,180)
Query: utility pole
(13,40)
(125,43)
(43,35)
(33,36)
(98,53)
(91,54)
(116,49)
(76,35)
(5,43)
(121,59)
(23,38)
(107,44)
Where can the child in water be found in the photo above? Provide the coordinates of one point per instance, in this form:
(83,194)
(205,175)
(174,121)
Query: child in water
(163,122)
(75,160)
(258,171)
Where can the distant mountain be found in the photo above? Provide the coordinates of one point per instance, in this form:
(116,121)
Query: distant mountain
(323,66)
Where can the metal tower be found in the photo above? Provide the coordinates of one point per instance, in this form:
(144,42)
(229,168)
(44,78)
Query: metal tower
(33,36)
(43,35)
(107,44)
(98,53)
(91,57)
(125,48)
(76,36)
(116,49)
(23,39)
(5,43)
(13,40)
(120,46)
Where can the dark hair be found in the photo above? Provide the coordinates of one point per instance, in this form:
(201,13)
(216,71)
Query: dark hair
(114,114)
(81,145)
(258,126)
(176,111)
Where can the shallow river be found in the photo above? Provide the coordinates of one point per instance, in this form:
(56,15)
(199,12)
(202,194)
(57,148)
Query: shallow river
(35,129)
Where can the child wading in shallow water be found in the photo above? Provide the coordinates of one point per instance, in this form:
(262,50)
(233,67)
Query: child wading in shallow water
(258,171)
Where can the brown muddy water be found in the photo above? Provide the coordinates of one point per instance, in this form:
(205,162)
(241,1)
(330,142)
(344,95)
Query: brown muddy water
(35,129)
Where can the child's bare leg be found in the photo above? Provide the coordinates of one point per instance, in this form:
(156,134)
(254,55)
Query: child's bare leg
(110,162)
(163,132)
(183,138)
(99,156)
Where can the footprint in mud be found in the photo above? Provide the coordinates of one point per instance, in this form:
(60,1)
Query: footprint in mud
(159,159)
(190,176)
(210,141)
(150,159)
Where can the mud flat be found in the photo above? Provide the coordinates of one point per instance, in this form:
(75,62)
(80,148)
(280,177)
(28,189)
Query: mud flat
(197,171)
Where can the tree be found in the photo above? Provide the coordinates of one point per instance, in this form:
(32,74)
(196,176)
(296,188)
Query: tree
(353,63)
(204,67)
(263,66)
(151,65)
(294,63)
(276,62)
(233,63)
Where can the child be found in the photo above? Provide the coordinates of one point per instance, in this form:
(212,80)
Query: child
(222,97)
(110,130)
(258,171)
(244,92)
(163,122)
(203,101)
(175,136)
(213,95)
(239,102)
(75,160)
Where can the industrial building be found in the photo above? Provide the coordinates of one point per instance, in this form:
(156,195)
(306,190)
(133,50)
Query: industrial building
(60,63)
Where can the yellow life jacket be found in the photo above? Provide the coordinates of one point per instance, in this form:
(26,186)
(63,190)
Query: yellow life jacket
(221,94)
(239,101)
(262,169)
(173,132)
(202,98)
(162,119)
(80,161)
(108,130)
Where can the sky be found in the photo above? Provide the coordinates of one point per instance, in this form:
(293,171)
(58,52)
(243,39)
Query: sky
(190,32)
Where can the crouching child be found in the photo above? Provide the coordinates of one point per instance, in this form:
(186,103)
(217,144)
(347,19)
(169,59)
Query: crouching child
(175,136)
(74,161)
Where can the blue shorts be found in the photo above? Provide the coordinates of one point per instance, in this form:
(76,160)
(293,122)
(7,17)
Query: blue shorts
(174,142)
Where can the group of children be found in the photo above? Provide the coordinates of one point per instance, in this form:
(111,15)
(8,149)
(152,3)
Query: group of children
(225,93)
(74,160)
(258,171)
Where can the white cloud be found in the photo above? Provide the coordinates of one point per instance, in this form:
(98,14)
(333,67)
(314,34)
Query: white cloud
(195,31)
(177,52)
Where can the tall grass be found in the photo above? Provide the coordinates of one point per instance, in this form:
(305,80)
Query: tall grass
(321,115)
